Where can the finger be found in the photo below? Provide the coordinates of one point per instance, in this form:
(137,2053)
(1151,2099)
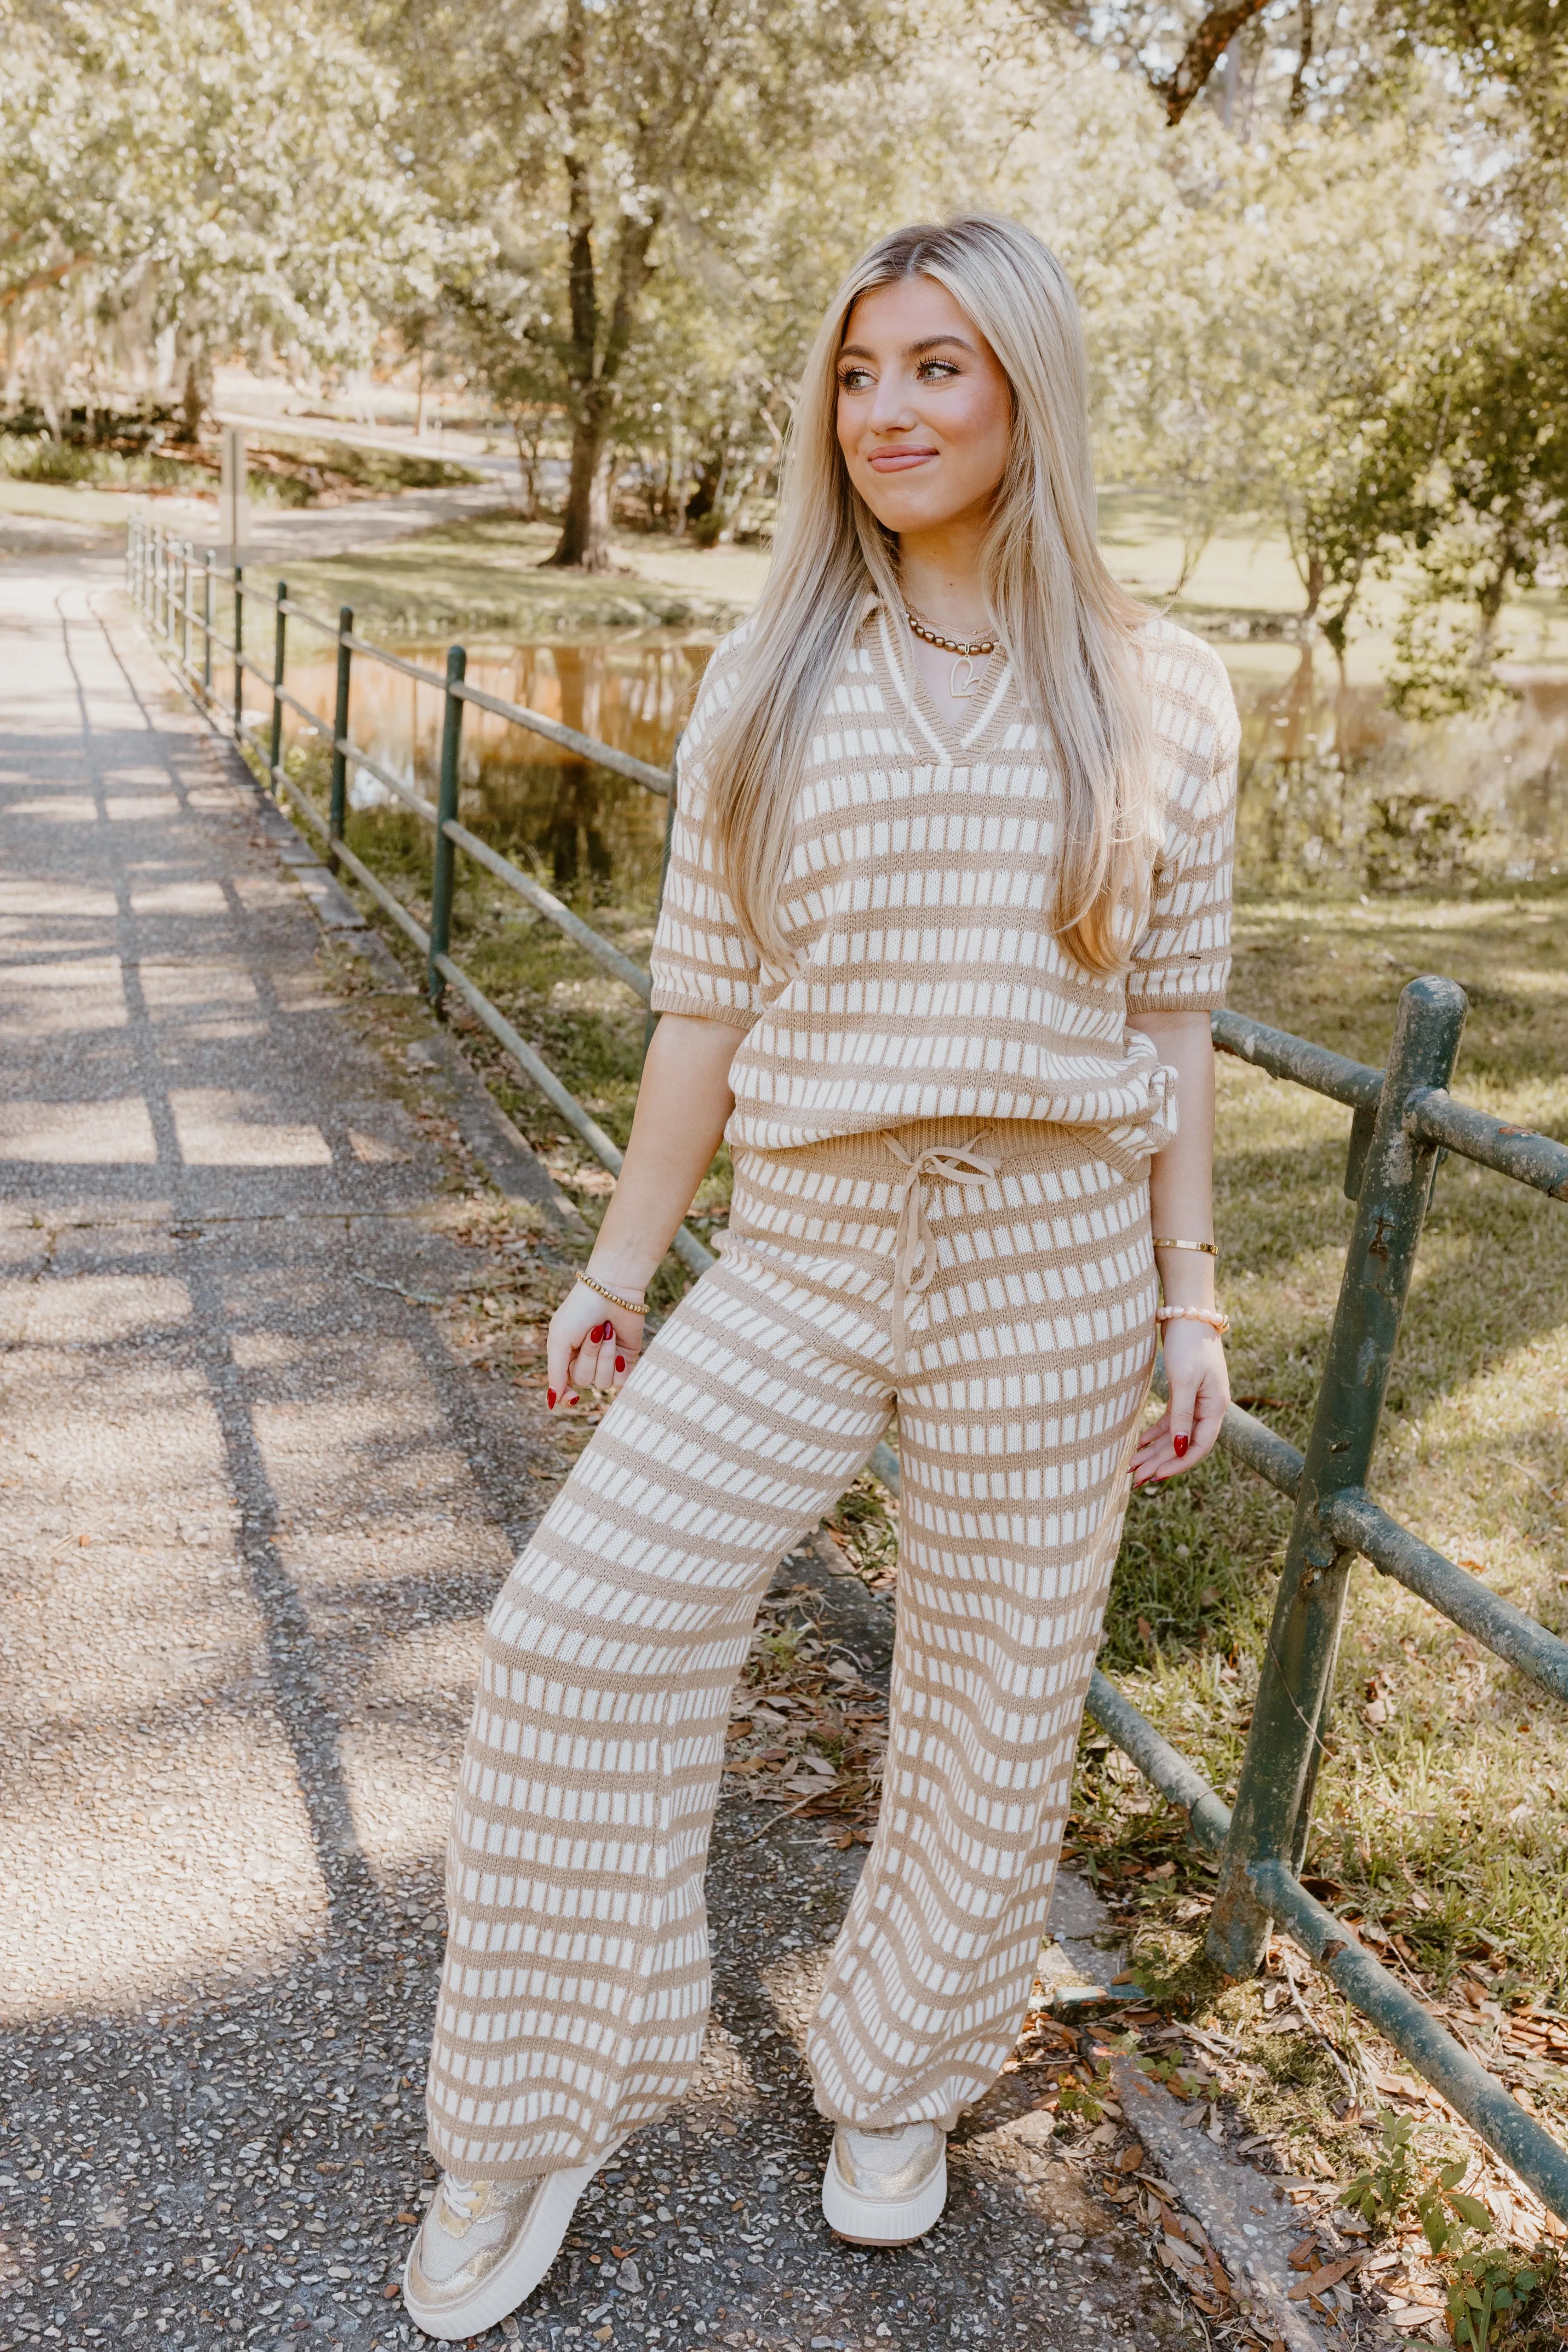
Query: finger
(1214,1397)
(587,1359)
(559,1350)
(624,1364)
(1183,1399)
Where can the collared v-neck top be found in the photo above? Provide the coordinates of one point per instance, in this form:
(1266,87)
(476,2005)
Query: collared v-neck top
(924,979)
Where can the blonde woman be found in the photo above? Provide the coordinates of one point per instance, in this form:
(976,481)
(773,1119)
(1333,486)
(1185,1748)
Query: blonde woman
(948,906)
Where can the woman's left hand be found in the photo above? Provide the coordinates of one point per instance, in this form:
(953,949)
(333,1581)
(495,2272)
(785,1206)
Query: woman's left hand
(1200,1390)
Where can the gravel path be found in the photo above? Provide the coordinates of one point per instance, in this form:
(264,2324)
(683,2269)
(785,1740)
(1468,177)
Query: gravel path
(252,1510)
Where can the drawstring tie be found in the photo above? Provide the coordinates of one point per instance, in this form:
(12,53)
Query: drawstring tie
(914,1248)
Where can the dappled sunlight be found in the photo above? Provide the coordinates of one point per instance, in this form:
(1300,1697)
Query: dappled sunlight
(225,1127)
(189,897)
(210,1858)
(111,1134)
(60,1000)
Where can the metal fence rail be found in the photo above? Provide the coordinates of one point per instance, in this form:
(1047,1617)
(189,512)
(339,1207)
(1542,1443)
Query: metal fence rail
(1404,1116)
(161,574)
(1404,1119)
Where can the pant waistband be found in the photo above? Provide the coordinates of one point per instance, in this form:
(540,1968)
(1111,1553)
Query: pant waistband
(913,1159)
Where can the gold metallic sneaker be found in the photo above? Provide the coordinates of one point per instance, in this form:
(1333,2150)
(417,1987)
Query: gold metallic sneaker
(884,2187)
(483,2248)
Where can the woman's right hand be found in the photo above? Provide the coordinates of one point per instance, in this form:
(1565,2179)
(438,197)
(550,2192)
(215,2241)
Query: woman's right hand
(591,1345)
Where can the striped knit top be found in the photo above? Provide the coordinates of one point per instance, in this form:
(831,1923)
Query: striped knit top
(924,979)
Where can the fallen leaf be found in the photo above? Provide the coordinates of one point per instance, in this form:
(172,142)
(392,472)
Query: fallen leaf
(1321,2281)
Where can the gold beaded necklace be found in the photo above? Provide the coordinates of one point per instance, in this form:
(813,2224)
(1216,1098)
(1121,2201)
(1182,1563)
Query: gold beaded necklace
(966,677)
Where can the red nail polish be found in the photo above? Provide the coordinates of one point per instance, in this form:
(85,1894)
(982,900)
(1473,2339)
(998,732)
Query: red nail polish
(550,1398)
(620,1363)
(572,1398)
(1179,1446)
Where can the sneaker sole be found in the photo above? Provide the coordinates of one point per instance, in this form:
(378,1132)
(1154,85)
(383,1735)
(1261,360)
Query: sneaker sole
(882,2220)
(522,2272)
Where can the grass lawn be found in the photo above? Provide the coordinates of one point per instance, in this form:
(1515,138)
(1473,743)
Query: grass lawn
(483,577)
(1442,1814)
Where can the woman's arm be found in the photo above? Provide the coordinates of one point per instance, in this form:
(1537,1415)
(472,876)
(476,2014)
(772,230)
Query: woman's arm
(682,1106)
(1181,1208)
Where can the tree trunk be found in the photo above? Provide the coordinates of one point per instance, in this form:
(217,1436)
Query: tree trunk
(1489,607)
(198,395)
(584,542)
(1314,586)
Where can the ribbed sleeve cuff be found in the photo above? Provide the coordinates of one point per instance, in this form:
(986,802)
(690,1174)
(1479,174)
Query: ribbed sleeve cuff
(666,999)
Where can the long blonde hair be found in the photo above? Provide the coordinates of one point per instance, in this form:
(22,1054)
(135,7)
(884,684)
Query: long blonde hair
(1068,628)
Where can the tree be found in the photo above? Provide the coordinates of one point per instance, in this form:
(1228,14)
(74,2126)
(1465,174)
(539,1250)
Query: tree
(584,138)
(222,177)
(1336,58)
(1494,498)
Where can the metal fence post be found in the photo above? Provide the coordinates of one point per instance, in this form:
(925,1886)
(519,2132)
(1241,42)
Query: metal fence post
(447,811)
(280,649)
(337,809)
(208,586)
(1278,1772)
(186,551)
(240,653)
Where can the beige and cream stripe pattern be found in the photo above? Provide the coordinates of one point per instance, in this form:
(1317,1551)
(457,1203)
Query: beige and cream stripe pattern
(576,1989)
(924,979)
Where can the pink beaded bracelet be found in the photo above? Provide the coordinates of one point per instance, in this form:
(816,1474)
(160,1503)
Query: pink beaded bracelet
(1211,1316)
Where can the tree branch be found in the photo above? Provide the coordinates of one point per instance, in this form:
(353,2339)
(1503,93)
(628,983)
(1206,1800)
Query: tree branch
(1204,52)
(42,277)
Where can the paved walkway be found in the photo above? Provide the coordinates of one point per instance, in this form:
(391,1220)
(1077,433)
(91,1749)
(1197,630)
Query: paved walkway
(252,1510)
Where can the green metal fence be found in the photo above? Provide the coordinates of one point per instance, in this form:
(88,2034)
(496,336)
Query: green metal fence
(163,574)
(1403,1120)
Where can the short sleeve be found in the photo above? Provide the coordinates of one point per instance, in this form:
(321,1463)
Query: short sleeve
(702,962)
(1181,963)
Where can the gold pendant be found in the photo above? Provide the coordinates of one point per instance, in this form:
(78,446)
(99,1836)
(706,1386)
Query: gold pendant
(961,687)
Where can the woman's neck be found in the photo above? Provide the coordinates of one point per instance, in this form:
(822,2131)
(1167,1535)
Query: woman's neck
(940,574)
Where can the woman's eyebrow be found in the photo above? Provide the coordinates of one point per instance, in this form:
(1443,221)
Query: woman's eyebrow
(910,351)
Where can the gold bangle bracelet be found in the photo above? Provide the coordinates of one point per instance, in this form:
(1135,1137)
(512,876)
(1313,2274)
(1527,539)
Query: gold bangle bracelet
(1209,1249)
(626,1306)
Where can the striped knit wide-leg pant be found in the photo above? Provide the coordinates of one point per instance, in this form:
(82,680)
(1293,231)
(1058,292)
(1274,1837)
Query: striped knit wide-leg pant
(576,1989)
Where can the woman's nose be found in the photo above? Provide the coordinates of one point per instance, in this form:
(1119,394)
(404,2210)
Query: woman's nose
(890,409)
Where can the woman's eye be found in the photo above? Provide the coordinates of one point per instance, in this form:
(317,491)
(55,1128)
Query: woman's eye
(936,371)
(854,379)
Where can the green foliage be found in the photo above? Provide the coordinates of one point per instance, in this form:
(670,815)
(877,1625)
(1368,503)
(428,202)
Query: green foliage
(226,176)
(1385,2190)
(1492,2287)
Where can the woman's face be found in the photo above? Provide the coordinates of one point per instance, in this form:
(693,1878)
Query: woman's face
(925,414)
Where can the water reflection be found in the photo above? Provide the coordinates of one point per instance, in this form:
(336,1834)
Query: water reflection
(633,691)
(1336,782)
(1333,781)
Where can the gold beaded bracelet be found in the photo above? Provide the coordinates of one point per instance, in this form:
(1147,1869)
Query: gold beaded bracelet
(1209,1249)
(626,1306)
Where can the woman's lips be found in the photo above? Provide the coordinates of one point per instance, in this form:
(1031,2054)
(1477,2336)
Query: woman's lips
(899,461)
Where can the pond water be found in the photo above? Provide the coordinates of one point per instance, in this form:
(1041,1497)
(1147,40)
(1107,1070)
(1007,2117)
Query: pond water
(585,823)
(1334,785)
